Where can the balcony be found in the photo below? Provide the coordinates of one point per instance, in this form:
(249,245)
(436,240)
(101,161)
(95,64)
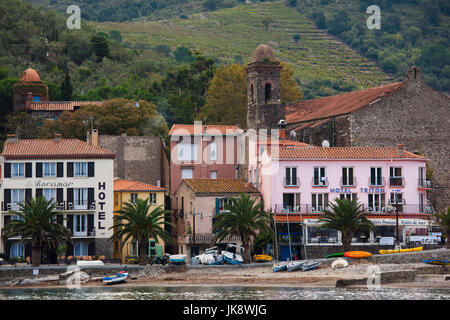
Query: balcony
(396,182)
(291,182)
(425,184)
(321,182)
(348,182)
(374,182)
(298,209)
(403,208)
(206,238)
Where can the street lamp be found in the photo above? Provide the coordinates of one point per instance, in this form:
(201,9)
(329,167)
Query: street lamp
(193,214)
(396,203)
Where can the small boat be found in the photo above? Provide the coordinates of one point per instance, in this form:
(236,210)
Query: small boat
(357,254)
(295,265)
(82,263)
(437,262)
(311,265)
(401,250)
(177,258)
(262,258)
(232,258)
(335,255)
(211,258)
(280,266)
(118,278)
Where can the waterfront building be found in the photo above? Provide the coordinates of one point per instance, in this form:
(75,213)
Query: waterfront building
(75,174)
(297,184)
(197,203)
(129,191)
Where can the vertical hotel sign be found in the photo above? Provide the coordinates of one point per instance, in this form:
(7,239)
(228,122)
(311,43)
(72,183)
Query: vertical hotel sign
(101,203)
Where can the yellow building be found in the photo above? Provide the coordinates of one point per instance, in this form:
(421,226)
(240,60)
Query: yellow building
(128,191)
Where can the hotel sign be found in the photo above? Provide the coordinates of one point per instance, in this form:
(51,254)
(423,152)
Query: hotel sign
(362,190)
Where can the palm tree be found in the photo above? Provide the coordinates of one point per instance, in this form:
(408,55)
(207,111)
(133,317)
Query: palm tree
(138,223)
(443,219)
(37,221)
(347,217)
(244,219)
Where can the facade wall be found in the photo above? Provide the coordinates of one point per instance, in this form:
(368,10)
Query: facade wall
(102,183)
(138,158)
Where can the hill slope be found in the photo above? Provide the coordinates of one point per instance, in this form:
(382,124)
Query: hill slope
(322,64)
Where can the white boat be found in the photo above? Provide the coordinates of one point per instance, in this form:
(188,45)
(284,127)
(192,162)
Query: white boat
(280,266)
(295,265)
(82,263)
(177,258)
(211,258)
(311,265)
(118,278)
(232,258)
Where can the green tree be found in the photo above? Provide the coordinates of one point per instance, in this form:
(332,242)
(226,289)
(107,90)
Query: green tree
(347,217)
(115,35)
(181,53)
(267,21)
(37,222)
(100,47)
(66,89)
(243,218)
(443,218)
(137,223)
(296,37)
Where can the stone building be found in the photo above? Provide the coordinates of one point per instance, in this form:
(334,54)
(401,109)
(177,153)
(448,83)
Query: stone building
(140,158)
(408,112)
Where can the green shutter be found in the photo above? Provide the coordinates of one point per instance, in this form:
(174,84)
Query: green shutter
(217,205)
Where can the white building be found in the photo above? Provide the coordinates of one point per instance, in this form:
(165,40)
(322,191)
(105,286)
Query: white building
(77,175)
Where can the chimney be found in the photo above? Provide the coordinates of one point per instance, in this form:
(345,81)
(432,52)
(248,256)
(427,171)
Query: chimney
(94,137)
(11,138)
(400,150)
(282,128)
(58,137)
(413,74)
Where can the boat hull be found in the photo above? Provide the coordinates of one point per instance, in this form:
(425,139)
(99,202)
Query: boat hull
(118,278)
(357,254)
(262,258)
(279,267)
(401,250)
(437,262)
(295,265)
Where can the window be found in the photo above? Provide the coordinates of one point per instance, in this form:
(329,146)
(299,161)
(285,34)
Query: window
(361,237)
(17,196)
(349,196)
(291,201)
(187,173)
(17,217)
(152,198)
(80,169)
(80,225)
(134,248)
(16,250)
(347,177)
(291,177)
(251,176)
(319,201)
(376,178)
(319,177)
(383,232)
(80,198)
(223,202)
(17,170)
(49,169)
(422,177)
(322,235)
(133,197)
(213,151)
(116,199)
(422,197)
(187,151)
(80,249)
(376,202)
(49,194)
(396,200)
(267,92)
(213,174)
(395,176)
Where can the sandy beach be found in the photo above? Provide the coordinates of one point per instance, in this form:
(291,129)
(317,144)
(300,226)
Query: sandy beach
(325,276)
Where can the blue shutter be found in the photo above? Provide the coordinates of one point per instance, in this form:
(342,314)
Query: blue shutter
(217,205)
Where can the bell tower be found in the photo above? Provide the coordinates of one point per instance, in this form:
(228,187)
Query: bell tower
(265,109)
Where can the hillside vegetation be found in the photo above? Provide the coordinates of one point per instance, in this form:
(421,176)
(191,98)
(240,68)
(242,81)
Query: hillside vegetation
(322,65)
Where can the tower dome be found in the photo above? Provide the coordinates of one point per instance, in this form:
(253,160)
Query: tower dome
(30,75)
(263,53)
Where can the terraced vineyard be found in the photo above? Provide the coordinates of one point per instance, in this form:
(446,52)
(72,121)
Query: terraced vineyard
(237,31)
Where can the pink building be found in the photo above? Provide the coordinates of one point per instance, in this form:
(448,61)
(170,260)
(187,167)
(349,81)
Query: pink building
(297,183)
(200,151)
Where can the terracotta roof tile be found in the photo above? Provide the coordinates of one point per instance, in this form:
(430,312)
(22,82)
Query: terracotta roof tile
(188,129)
(220,186)
(135,186)
(359,153)
(53,149)
(336,105)
(57,105)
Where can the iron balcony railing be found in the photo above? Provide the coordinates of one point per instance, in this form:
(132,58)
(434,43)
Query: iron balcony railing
(61,206)
(348,182)
(423,183)
(396,181)
(291,182)
(207,238)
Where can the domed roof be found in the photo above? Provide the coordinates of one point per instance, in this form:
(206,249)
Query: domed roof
(30,75)
(263,53)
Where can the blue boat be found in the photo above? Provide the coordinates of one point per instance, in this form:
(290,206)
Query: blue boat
(437,262)
(280,266)
(118,278)
(177,258)
(232,258)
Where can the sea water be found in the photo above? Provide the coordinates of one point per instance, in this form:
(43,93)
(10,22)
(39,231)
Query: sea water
(224,293)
